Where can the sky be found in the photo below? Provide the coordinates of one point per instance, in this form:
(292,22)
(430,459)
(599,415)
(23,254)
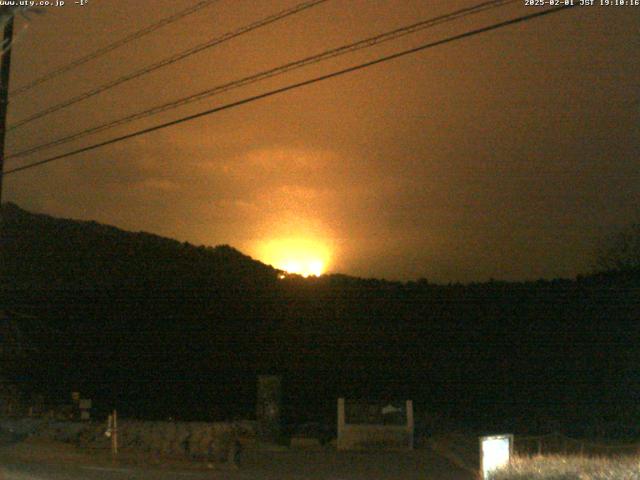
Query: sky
(508,155)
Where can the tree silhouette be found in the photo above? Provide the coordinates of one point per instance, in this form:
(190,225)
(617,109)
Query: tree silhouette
(621,252)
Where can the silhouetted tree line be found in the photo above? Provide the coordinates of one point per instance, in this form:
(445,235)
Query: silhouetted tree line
(162,328)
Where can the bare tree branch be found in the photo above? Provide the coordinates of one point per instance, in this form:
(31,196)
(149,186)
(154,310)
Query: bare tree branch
(621,252)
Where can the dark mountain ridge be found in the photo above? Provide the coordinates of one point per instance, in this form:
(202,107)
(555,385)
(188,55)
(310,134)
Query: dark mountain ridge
(157,328)
(54,252)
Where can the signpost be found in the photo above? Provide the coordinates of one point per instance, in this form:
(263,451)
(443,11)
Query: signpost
(112,432)
(364,425)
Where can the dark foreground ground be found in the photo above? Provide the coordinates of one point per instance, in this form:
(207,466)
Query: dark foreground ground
(39,461)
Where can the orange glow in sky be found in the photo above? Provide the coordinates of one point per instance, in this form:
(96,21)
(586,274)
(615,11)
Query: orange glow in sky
(306,257)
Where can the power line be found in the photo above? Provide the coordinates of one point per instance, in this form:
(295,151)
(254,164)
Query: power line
(294,86)
(328,54)
(102,51)
(174,58)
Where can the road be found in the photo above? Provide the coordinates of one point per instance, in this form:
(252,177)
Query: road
(73,472)
(257,465)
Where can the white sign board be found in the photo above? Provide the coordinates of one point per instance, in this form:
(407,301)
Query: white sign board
(495,452)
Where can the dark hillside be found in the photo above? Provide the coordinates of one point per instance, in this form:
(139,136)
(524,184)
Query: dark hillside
(158,328)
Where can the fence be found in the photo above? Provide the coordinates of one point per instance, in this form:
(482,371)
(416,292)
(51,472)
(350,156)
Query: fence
(202,440)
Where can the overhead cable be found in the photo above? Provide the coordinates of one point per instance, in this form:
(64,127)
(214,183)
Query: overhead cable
(112,46)
(170,60)
(297,85)
(280,70)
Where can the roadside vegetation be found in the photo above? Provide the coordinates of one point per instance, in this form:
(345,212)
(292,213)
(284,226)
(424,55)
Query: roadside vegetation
(558,467)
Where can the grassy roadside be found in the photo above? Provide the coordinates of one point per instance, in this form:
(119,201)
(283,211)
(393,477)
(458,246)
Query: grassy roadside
(557,467)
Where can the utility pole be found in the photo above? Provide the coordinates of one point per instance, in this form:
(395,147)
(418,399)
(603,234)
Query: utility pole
(5,66)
